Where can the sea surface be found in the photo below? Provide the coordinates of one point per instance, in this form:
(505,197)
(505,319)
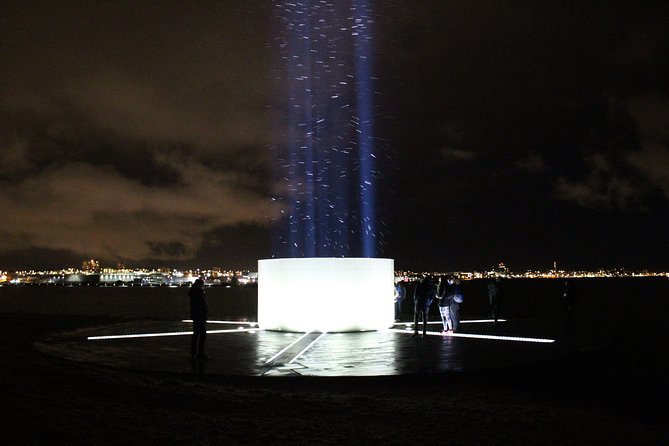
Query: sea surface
(621,304)
(134,302)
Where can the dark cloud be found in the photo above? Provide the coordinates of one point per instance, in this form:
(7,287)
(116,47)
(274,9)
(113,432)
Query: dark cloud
(95,210)
(131,130)
(603,187)
(457,154)
(652,161)
(533,163)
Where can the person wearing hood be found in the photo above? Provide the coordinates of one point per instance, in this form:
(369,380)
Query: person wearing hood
(198,313)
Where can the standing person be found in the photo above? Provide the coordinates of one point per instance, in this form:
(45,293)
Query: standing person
(456,298)
(444,305)
(400,294)
(198,313)
(495,296)
(423,296)
(569,299)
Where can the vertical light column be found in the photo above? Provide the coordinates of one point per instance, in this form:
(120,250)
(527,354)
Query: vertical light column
(361,32)
(327,164)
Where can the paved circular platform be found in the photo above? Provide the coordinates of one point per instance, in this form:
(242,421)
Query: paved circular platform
(239,348)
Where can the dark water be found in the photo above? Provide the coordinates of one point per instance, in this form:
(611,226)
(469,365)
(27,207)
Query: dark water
(163,303)
(620,302)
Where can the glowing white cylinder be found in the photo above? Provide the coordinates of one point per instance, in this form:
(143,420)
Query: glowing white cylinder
(326,294)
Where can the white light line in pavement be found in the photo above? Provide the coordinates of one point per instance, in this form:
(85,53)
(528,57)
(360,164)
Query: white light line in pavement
(173,333)
(252,324)
(482,321)
(501,338)
(470,321)
(480,336)
(286,348)
(307,347)
(141,335)
(407,330)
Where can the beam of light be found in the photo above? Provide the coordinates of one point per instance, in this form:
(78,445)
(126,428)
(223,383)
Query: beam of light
(482,336)
(362,38)
(327,161)
(173,333)
(286,348)
(250,323)
(307,347)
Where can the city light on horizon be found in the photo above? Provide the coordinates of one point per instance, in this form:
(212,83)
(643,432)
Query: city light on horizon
(220,277)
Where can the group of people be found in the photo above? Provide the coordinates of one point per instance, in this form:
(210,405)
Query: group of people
(448,292)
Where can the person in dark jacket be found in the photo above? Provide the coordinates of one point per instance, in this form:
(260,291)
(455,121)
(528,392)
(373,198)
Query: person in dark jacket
(495,297)
(444,305)
(454,294)
(198,313)
(423,296)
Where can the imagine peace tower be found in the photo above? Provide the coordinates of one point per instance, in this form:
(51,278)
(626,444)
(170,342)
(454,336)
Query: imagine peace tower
(325,262)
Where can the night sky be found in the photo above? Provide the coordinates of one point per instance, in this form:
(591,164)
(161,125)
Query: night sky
(518,131)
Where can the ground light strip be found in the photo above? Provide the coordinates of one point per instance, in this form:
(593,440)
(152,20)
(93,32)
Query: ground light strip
(474,321)
(226,322)
(480,336)
(501,338)
(286,348)
(174,333)
(307,347)
(470,321)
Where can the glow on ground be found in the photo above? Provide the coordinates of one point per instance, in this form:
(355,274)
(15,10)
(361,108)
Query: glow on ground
(482,336)
(173,333)
(253,330)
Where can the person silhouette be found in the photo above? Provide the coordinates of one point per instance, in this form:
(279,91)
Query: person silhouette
(495,297)
(444,306)
(423,296)
(456,297)
(198,313)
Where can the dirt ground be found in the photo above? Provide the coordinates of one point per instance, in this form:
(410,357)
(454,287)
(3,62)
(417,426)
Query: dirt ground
(588,399)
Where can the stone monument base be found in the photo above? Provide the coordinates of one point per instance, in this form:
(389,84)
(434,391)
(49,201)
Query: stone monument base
(339,294)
